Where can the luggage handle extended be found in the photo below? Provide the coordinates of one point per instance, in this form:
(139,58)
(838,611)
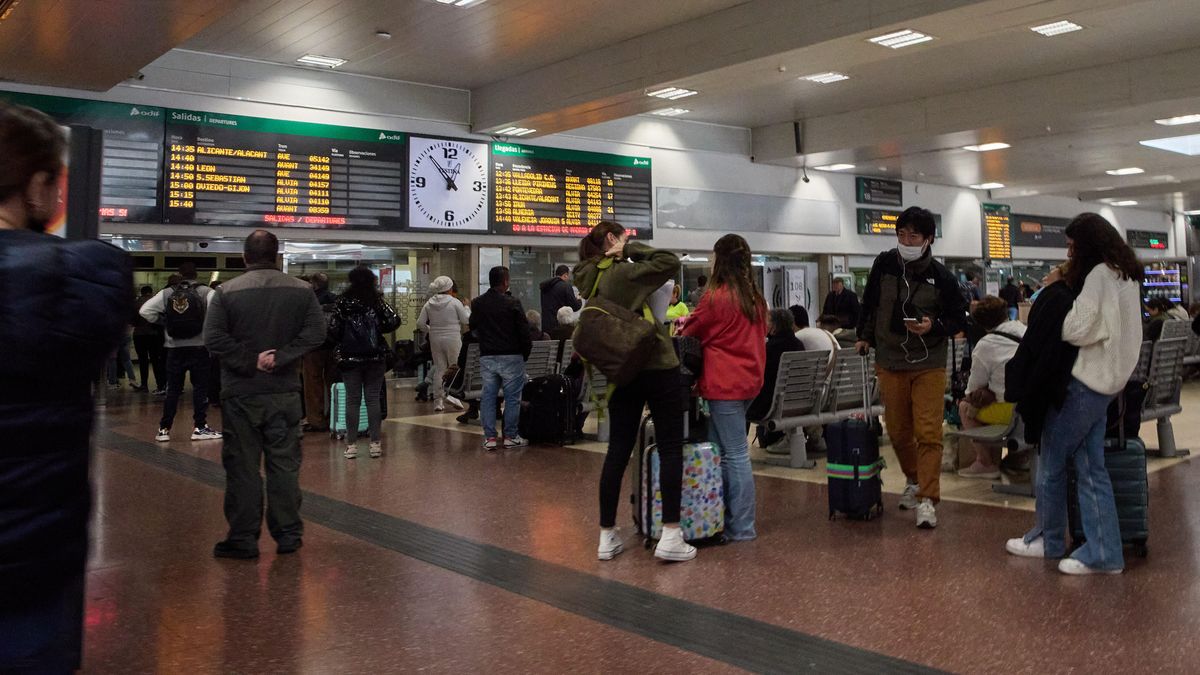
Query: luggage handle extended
(865,394)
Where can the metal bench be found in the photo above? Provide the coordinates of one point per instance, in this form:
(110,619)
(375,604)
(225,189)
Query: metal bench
(799,394)
(1165,382)
(1011,436)
(1192,356)
(567,351)
(1174,329)
(595,399)
(543,359)
(844,392)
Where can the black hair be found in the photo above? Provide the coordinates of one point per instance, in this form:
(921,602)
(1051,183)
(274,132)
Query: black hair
(702,280)
(29,142)
(1097,242)
(829,320)
(187,269)
(146,290)
(498,276)
(561,270)
(781,321)
(362,284)
(261,248)
(918,220)
(593,246)
(970,276)
(799,315)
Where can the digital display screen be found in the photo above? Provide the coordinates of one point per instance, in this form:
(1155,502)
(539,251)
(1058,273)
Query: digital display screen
(997,225)
(1143,239)
(131,155)
(879,191)
(1042,231)
(249,171)
(880,221)
(563,193)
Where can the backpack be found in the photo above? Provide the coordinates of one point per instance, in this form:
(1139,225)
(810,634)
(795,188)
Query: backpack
(185,311)
(360,339)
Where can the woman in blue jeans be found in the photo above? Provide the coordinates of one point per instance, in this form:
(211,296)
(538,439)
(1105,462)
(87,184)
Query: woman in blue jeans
(1104,322)
(730,323)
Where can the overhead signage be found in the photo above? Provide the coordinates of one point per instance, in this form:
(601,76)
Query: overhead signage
(879,191)
(131,153)
(1144,239)
(235,170)
(883,222)
(554,192)
(997,228)
(1039,231)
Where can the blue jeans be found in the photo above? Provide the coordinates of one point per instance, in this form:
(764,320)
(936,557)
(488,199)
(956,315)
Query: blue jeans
(1077,432)
(506,371)
(727,428)
(1012,313)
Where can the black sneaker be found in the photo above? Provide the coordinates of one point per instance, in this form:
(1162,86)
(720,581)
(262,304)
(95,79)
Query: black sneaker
(224,549)
(286,547)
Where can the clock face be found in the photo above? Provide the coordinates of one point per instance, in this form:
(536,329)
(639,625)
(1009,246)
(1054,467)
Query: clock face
(447,184)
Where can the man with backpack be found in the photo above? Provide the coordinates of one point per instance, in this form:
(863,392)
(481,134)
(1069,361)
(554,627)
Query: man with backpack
(181,310)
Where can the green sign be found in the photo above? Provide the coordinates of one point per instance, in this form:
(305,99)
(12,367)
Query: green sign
(286,127)
(69,109)
(540,152)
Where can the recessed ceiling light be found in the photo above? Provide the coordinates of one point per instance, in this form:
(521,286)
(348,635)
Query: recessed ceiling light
(1124,202)
(320,61)
(826,78)
(834,167)
(987,147)
(1184,145)
(987,186)
(1194,212)
(514,131)
(1176,121)
(671,112)
(672,93)
(383,35)
(899,39)
(460,3)
(1127,171)
(1056,28)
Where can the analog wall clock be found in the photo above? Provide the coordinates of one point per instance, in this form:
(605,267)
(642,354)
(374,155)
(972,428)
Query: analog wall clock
(448,184)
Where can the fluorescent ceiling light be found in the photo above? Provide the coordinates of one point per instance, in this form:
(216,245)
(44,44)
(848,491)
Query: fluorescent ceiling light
(1176,121)
(514,131)
(834,167)
(1056,28)
(1194,212)
(987,186)
(1125,202)
(1127,171)
(826,78)
(1184,145)
(671,112)
(899,39)
(460,3)
(987,147)
(672,93)
(320,61)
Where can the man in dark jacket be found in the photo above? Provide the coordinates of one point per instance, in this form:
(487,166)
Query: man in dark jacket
(499,321)
(557,293)
(780,340)
(260,325)
(1011,295)
(911,307)
(842,303)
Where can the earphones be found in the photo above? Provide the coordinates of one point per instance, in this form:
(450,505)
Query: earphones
(908,358)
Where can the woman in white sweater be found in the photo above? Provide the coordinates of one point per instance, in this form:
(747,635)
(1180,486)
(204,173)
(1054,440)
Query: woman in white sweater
(1105,323)
(443,317)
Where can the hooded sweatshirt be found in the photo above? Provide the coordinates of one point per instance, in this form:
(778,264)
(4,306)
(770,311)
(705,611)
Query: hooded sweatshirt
(443,316)
(556,294)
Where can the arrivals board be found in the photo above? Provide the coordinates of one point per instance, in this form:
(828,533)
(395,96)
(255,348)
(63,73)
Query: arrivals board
(997,231)
(552,192)
(1041,231)
(131,155)
(881,221)
(248,171)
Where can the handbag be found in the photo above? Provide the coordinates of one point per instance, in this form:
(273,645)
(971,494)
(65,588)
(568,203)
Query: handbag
(611,338)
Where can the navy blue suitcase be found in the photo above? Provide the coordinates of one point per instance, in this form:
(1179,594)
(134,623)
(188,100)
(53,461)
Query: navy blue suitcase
(853,465)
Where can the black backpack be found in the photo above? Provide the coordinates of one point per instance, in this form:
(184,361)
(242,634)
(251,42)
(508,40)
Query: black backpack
(361,338)
(185,311)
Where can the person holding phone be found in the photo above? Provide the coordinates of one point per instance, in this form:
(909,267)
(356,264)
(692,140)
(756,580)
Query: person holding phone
(911,308)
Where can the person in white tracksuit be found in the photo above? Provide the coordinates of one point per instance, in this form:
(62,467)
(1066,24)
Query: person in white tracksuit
(443,317)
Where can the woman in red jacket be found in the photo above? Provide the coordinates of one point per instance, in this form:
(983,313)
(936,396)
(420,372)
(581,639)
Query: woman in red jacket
(731,325)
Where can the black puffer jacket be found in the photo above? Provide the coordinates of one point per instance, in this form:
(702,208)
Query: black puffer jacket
(63,310)
(349,312)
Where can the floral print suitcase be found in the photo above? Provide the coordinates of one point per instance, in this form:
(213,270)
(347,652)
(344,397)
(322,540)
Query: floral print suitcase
(702,503)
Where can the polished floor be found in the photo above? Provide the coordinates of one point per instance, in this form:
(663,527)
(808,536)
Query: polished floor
(440,557)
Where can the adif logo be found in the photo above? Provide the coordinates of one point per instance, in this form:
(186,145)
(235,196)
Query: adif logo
(134,112)
(149,112)
(384,136)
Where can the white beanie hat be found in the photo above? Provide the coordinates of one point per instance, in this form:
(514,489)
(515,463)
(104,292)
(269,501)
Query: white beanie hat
(441,285)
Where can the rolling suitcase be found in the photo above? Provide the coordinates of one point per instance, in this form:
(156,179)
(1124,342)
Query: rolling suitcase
(337,411)
(702,502)
(853,465)
(549,407)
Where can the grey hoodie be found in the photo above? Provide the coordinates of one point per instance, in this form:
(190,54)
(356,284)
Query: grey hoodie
(443,316)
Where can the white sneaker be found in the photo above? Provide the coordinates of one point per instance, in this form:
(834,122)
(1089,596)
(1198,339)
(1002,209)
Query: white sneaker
(489,444)
(163,436)
(908,500)
(672,547)
(439,407)
(1034,549)
(455,402)
(610,544)
(376,449)
(1074,567)
(351,452)
(205,434)
(926,515)
(515,442)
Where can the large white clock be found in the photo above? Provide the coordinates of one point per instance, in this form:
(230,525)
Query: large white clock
(448,184)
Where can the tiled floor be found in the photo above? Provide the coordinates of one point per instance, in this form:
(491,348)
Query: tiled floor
(949,599)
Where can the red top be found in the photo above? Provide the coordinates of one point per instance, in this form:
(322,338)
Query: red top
(735,348)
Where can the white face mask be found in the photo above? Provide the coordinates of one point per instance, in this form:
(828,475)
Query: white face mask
(910,253)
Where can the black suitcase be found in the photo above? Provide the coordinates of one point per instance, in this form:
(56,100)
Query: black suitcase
(853,465)
(1126,464)
(549,407)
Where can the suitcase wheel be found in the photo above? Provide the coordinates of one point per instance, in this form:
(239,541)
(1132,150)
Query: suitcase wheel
(1140,550)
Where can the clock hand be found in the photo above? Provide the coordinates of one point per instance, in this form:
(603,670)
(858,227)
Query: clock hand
(445,174)
(453,175)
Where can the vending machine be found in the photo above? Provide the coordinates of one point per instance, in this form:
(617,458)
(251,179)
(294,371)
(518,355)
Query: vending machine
(1168,279)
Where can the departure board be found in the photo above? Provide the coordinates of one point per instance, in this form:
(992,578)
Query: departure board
(131,155)
(997,227)
(882,221)
(1040,231)
(563,193)
(234,170)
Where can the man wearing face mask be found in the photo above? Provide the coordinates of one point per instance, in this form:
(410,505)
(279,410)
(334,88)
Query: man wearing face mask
(911,308)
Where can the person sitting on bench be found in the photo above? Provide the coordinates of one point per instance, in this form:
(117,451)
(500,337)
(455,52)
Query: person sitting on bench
(984,404)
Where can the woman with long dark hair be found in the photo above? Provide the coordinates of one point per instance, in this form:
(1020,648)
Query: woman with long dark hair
(359,321)
(627,273)
(1104,322)
(731,325)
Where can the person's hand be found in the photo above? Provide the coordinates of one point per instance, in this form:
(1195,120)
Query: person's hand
(618,245)
(862,347)
(919,327)
(266,361)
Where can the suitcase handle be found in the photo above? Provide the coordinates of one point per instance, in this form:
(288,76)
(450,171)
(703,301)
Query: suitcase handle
(865,395)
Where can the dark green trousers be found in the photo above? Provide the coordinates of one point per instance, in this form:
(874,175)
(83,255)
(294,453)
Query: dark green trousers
(262,429)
